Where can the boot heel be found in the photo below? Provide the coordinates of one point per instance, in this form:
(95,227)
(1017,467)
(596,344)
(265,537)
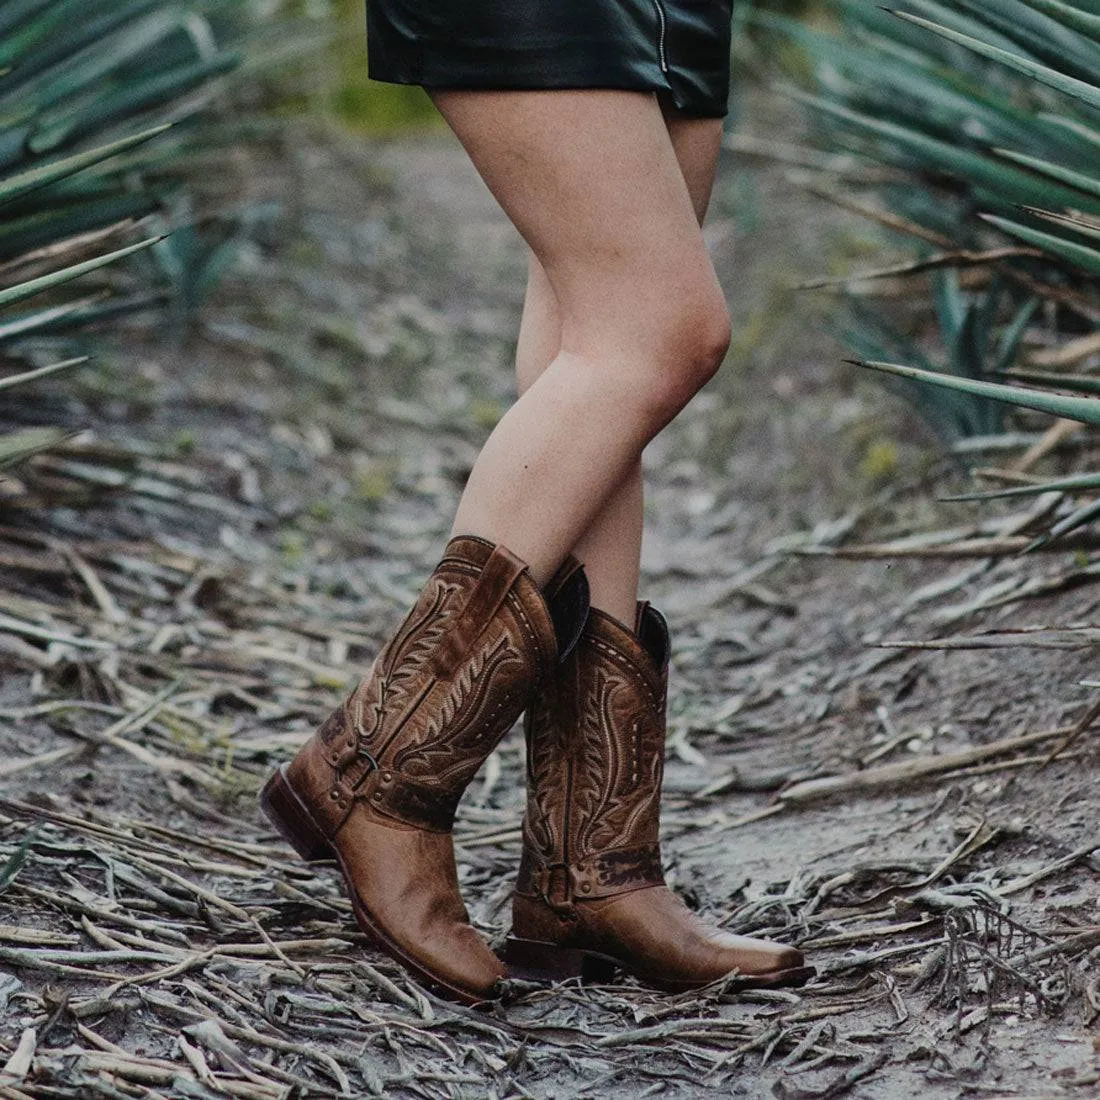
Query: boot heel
(536,960)
(286,811)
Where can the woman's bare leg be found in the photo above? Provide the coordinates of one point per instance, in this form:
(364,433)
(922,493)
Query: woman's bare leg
(592,182)
(611,547)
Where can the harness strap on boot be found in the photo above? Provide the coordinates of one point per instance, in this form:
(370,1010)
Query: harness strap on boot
(604,875)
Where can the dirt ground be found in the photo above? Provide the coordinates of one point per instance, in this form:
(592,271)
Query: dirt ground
(294,466)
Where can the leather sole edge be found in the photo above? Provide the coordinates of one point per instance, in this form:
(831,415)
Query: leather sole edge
(539,960)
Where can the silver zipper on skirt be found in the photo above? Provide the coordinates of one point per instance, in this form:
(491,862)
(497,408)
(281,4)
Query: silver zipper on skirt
(662,26)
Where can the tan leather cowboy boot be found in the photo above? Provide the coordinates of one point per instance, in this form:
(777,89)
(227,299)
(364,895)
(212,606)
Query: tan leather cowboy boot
(591,896)
(377,786)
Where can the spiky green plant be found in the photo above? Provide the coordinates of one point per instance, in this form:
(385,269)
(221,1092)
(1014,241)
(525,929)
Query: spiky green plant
(988,116)
(976,347)
(18,445)
(87,96)
(81,97)
(931,91)
(1084,409)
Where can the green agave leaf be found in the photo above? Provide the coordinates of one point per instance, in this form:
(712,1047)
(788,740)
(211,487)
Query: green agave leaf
(127,46)
(1078,224)
(16,186)
(86,185)
(1066,49)
(127,100)
(52,20)
(1070,85)
(1084,409)
(951,415)
(950,16)
(1075,126)
(213,267)
(1090,6)
(15,12)
(1060,485)
(1082,383)
(1091,184)
(179,153)
(1078,518)
(14,328)
(881,23)
(40,372)
(1011,184)
(21,291)
(1083,21)
(13,145)
(966,326)
(1013,333)
(16,446)
(50,224)
(900,87)
(72,72)
(986,309)
(950,303)
(78,314)
(1080,254)
(881,338)
(78,37)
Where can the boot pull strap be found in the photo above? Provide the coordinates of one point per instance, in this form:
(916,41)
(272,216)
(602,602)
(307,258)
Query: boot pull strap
(567,601)
(498,574)
(564,574)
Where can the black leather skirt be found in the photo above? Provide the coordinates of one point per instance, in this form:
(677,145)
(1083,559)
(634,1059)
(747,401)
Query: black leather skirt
(680,48)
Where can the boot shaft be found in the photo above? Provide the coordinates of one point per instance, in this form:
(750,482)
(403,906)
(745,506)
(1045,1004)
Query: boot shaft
(450,682)
(595,762)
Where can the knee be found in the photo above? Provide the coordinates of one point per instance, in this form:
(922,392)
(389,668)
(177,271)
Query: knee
(693,345)
(705,341)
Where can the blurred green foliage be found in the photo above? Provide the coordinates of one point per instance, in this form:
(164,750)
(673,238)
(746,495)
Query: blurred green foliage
(975,125)
(104,117)
(963,119)
(335,80)
(368,104)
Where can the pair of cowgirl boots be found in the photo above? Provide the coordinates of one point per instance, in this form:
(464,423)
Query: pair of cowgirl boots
(591,897)
(377,785)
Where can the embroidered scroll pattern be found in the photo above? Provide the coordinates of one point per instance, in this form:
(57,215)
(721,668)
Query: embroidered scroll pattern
(549,723)
(398,672)
(463,726)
